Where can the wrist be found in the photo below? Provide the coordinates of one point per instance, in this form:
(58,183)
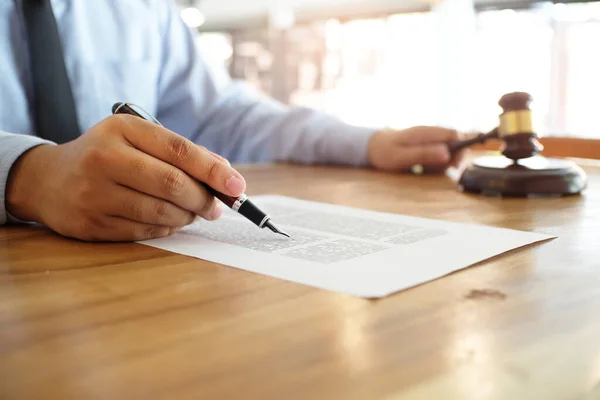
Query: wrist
(24,180)
(375,143)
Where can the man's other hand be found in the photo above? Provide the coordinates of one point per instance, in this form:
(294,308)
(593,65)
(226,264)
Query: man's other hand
(400,150)
(125,179)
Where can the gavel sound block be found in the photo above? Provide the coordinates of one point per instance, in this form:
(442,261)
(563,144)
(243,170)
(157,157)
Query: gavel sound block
(520,171)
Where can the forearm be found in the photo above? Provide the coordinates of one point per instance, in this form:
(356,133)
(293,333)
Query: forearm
(12,146)
(246,127)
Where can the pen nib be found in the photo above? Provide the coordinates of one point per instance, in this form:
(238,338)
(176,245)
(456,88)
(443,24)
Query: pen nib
(272,227)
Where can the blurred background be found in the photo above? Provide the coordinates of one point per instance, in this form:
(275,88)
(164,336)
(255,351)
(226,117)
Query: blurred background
(401,63)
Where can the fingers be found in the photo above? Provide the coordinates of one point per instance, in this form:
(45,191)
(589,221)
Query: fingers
(455,162)
(139,207)
(430,155)
(106,228)
(153,177)
(116,229)
(422,135)
(426,146)
(190,158)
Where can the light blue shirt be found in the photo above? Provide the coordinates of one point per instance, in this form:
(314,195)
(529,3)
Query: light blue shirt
(140,51)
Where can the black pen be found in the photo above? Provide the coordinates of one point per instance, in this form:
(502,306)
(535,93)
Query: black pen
(242,205)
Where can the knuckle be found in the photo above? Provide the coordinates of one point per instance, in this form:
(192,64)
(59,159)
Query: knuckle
(141,232)
(121,121)
(179,148)
(112,125)
(212,169)
(118,118)
(150,232)
(137,166)
(92,157)
(134,209)
(174,182)
(161,211)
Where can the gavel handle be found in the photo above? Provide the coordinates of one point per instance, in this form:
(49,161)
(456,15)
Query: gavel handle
(481,138)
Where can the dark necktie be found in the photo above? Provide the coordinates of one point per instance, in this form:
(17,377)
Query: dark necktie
(54,108)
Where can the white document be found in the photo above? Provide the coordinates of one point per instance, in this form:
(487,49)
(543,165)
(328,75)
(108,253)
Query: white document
(348,250)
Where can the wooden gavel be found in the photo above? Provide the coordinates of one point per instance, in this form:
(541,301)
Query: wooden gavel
(515,129)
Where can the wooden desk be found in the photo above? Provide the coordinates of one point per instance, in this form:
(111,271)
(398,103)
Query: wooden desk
(126,321)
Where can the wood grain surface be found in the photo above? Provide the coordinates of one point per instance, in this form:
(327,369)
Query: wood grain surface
(127,321)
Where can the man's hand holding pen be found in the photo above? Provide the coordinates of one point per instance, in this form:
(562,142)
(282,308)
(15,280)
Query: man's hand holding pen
(125,179)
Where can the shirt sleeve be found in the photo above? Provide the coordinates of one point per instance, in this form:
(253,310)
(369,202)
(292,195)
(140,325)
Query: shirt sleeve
(12,146)
(203,104)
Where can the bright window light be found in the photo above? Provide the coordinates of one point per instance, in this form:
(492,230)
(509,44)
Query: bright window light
(192,17)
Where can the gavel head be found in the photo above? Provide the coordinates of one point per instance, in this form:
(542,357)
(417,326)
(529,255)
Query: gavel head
(516,127)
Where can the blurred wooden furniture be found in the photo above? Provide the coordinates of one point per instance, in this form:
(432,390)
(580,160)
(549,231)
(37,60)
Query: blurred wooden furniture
(126,321)
(570,147)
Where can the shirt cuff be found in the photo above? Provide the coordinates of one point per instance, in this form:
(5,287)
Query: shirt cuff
(353,145)
(13,146)
(341,143)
